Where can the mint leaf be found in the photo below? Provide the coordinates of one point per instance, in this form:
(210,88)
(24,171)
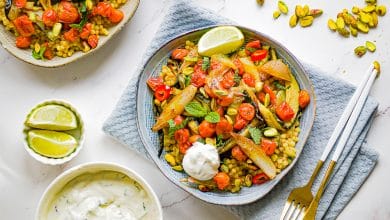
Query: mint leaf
(187,80)
(195,109)
(212,117)
(205,63)
(173,127)
(255,134)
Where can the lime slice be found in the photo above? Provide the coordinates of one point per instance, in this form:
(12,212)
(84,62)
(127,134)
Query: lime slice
(52,117)
(224,40)
(51,143)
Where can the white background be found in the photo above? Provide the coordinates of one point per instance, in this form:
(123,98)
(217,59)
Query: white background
(94,85)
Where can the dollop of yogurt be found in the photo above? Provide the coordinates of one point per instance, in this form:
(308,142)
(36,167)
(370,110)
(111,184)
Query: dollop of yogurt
(201,161)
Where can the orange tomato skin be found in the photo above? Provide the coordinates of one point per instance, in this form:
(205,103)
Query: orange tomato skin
(183,147)
(49,17)
(86,31)
(223,128)
(268,146)
(116,16)
(225,100)
(23,42)
(194,138)
(228,80)
(67,12)
(71,35)
(20,3)
(222,180)
(24,26)
(182,135)
(238,154)
(239,66)
(206,129)
(284,111)
(240,123)
(179,54)
(93,41)
(249,80)
(304,98)
(246,111)
(102,8)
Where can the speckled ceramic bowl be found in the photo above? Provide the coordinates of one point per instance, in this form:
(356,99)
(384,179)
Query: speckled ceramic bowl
(77,133)
(146,118)
(7,40)
(58,183)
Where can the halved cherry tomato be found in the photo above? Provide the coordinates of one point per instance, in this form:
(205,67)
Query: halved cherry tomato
(178,119)
(49,17)
(228,80)
(214,64)
(182,135)
(248,79)
(222,180)
(194,138)
(115,16)
(155,82)
(261,96)
(240,123)
(20,3)
(206,129)
(24,26)
(224,128)
(272,96)
(103,9)
(246,111)
(23,42)
(225,100)
(260,178)
(162,92)
(93,40)
(220,111)
(67,12)
(86,31)
(239,66)
(259,55)
(48,54)
(304,98)
(179,54)
(268,146)
(71,35)
(198,79)
(252,46)
(285,112)
(184,147)
(238,154)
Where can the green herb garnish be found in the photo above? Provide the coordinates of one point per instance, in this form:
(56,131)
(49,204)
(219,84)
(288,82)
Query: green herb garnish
(173,127)
(279,86)
(255,135)
(205,63)
(195,109)
(84,16)
(212,117)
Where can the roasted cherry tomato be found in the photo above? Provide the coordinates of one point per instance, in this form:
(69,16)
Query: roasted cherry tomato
(206,129)
(246,111)
(260,178)
(252,47)
(93,40)
(179,54)
(225,100)
(182,135)
(220,111)
(20,3)
(239,66)
(224,128)
(49,17)
(261,97)
(238,154)
(222,180)
(72,35)
(86,31)
(155,82)
(162,92)
(184,147)
(214,64)
(285,112)
(259,55)
(198,79)
(48,54)
(248,79)
(272,96)
(23,42)
(268,146)
(67,12)
(228,80)
(103,9)
(115,16)
(24,26)
(240,123)
(178,119)
(304,98)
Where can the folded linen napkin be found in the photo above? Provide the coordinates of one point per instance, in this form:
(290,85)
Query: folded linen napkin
(355,164)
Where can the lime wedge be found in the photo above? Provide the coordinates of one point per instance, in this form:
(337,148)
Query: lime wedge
(223,40)
(51,143)
(52,117)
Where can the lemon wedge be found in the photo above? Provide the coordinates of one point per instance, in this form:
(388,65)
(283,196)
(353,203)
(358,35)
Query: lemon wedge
(52,117)
(51,143)
(220,40)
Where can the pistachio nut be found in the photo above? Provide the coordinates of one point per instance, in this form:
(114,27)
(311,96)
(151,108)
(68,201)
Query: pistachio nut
(306,9)
(362,27)
(315,12)
(260,2)
(364,17)
(340,23)
(299,11)
(273,54)
(370,46)
(332,25)
(355,10)
(306,21)
(370,1)
(343,32)
(276,14)
(354,31)
(381,10)
(293,21)
(283,7)
(377,66)
(374,16)
(351,19)
(360,51)
(369,8)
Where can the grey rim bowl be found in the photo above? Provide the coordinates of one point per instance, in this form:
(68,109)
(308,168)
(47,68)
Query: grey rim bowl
(146,118)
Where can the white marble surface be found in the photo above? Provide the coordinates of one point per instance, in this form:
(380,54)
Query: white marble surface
(95,83)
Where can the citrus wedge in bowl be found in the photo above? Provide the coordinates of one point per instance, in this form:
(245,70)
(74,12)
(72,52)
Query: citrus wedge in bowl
(51,143)
(220,40)
(52,117)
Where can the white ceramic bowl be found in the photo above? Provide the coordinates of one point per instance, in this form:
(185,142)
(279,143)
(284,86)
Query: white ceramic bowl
(77,133)
(65,177)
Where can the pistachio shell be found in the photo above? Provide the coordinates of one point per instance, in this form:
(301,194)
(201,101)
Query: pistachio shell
(276,14)
(362,27)
(293,21)
(340,23)
(381,10)
(369,8)
(360,51)
(282,7)
(306,21)
(370,46)
(332,25)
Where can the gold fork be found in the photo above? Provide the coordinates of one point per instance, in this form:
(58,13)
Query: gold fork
(300,199)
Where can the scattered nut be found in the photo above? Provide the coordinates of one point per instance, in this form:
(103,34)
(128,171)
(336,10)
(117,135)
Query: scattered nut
(306,21)
(260,2)
(362,27)
(354,31)
(381,10)
(377,66)
(360,51)
(299,11)
(293,21)
(283,7)
(332,25)
(340,23)
(370,46)
(316,12)
(276,14)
